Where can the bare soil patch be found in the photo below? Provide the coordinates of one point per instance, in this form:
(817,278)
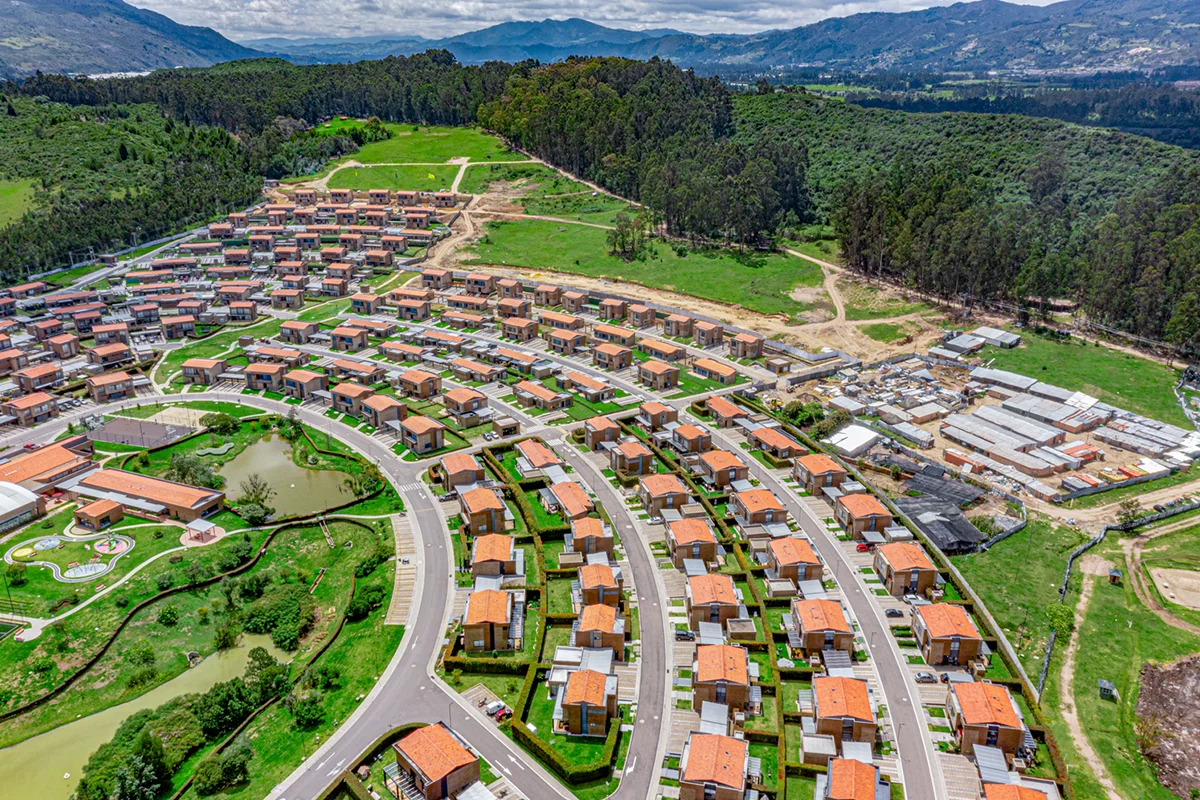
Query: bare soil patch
(1169,703)
(1180,586)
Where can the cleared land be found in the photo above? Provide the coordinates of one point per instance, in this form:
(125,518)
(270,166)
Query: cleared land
(753,280)
(411,178)
(16,197)
(535,180)
(868,302)
(435,144)
(1125,380)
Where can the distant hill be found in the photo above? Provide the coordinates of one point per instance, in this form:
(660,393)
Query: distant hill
(99,36)
(982,35)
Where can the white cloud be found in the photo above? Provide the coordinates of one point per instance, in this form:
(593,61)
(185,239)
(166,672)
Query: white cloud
(244,19)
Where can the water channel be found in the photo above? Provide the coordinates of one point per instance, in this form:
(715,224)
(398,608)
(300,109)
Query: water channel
(35,767)
(298,490)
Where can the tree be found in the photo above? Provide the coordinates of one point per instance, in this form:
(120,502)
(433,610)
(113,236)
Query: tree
(135,780)
(16,574)
(265,676)
(223,707)
(149,749)
(190,469)
(140,654)
(1130,510)
(366,480)
(225,637)
(168,615)
(256,491)
(307,711)
(254,514)
(802,414)
(219,422)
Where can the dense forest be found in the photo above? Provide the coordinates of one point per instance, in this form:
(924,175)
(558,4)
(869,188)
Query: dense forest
(990,205)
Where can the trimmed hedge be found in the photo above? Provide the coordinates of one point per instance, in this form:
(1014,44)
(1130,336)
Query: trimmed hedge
(571,773)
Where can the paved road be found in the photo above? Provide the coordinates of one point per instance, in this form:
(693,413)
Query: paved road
(921,776)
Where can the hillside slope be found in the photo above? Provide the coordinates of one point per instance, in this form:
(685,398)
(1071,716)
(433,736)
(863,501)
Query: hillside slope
(99,36)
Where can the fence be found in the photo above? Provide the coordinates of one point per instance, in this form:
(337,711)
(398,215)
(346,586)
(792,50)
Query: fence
(1108,487)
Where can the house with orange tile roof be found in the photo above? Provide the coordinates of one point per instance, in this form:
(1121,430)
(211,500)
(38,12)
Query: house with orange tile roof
(287,299)
(631,458)
(348,397)
(264,376)
(413,310)
(461,469)
(436,761)
(563,322)
(379,410)
(614,335)
(435,279)
(45,329)
(757,507)
(661,351)
(598,431)
(366,373)
(590,389)
(691,439)
(711,598)
(654,415)
(12,359)
(508,289)
(203,371)
(746,345)
(721,674)
(1012,791)
(715,371)
(565,343)
(861,512)
(366,304)
(850,779)
(536,455)
(658,375)
(334,287)
(946,634)
(547,295)
(297,332)
(612,308)
(775,442)
(514,307)
(714,767)
(794,559)
(396,351)
(719,468)
(31,409)
(65,345)
(574,301)
(487,621)
(495,554)
(816,471)
(568,499)
(108,387)
(482,511)
(530,395)
(465,311)
(600,626)
(708,334)
(302,384)
(466,406)
(842,709)
(589,535)
(36,379)
(419,383)
(660,492)
(45,467)
(99,514)
(149,494)
(480,283)
(108,355)
(466,369)
(678,325)
(348,340)
(611,357)
(691,538)
(724,412)
(600,584)
(821,625)
(905,568)
(107,334)
(589,702)
(521,329)
(984,713)
(277,355)
(422,434)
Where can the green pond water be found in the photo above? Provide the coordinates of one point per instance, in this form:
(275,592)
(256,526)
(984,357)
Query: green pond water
(49,766)
(298,490)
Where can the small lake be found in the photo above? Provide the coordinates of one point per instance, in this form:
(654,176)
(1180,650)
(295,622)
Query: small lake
(298,490)
(35,767)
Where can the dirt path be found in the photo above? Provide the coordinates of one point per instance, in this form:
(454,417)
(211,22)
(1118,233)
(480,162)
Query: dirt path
(1146,594)
(1108,512)
(1091,566)
(517,216)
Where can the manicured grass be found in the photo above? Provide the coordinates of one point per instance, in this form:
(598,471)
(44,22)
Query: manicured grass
(69,276)
(541,517)
(867,302)
(411,178)
(1018,579)
(558,591)
(690,383)
(769,754)
(16,197)
(1124,380)
(574,749)
(147,411)
(885,332)
(435,144)
(752,280)
(212,346)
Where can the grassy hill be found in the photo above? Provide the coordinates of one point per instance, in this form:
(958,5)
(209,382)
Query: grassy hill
(844,140)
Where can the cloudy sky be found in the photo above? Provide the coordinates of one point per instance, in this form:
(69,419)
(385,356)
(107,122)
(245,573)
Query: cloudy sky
(247,19)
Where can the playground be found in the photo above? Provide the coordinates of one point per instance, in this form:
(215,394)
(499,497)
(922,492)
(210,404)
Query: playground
(71,558)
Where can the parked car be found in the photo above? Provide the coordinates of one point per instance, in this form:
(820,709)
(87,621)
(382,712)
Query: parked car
(503,714)
(685,636)
(863,547)
(491,708)
(910,598)
(894,613)
(925,677)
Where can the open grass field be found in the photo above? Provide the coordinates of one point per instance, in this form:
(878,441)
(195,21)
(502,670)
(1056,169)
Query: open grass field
(1018,579)
(211,347)
(16,197)
(434,145)
(412,178)
(752,280)
(1122,379)
(867,302)
(599,209)
(533,180)
(885,332)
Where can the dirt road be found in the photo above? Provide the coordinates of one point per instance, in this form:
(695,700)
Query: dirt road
(1145,593)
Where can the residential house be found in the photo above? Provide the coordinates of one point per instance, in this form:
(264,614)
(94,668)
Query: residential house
(565,343)
(109,387)
(513,307)
(592,390)
(711,598)
(420,384)
(662,351)
(366,304)
(746,345)
(691,538)
(842,709)
(794,559)
(478,283)
(599,430)
(724,413)
(546,295)
(661,492)
(31,409)
(613,308)
(357,371)
(599,585)
(64,346)
(465,406)
(110,334)
(537,455)
(482,511)
(494,554)
(297,332)
(589,702)
(678,325)
(109,355)
(775,442)
(568,499)
(461,469)
(562,322)
(487,621)
(590,535)
(714,767)
(413,310)
(203,371)
(708,334)
(334,287)
(380,409)
(437,279)
(600,626)
(243,311)
(266,376)
(640,316)
(857,513)
(613,334)
(422,434)
(612,357)
(721,674)
(509,289)
(574,302)
(179,327)
(946,634)
(45,329)
(302,384)
(719,468)
(287,299)
(821,625)
(691,439)
(715,371)
(39,378)
(904,568)
(757,507)
(631,458)
(851,779)
(467,370)
(816,471)
(984,713)
(277,355)
(657,375)
(520,329)
(530,394)
(348,340)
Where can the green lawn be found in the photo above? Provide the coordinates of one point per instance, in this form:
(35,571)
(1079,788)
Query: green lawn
(1124,380)
(434,144)
(397,178)
(16,197)
(600,209)
(1117,495)
(69,276)
(1018,579)
(756,281)
(574,749)
(867,302)
(885,332)
(212,346)
(533,180)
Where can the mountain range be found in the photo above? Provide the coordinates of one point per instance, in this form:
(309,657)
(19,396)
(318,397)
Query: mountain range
(109,35)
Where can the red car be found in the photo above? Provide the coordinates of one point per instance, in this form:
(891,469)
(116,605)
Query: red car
(863,547)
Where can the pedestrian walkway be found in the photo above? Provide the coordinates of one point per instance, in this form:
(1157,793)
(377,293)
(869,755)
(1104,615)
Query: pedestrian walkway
(406,572)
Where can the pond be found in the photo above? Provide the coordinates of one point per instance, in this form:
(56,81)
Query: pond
(298,490)
(35,767)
